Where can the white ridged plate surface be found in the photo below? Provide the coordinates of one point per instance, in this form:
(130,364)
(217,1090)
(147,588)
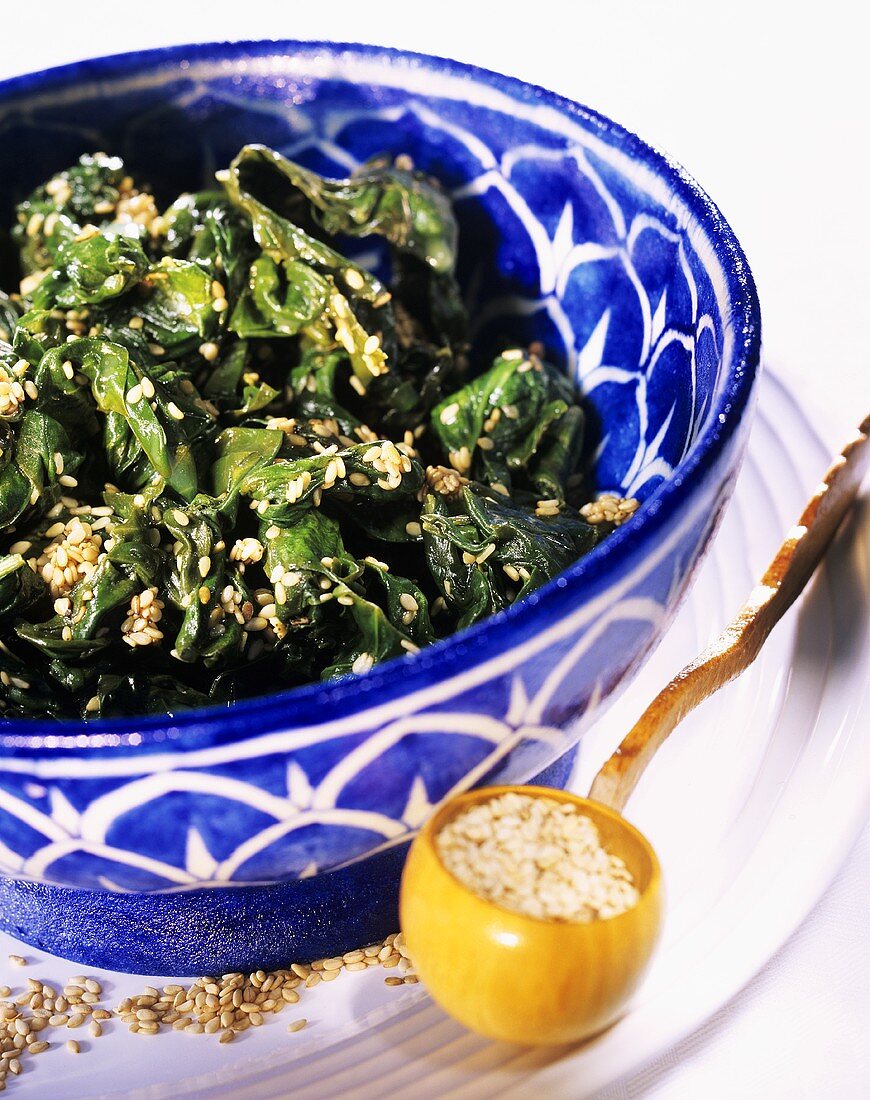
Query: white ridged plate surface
(732,805)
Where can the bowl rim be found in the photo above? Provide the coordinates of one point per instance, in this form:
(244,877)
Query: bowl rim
(300,707)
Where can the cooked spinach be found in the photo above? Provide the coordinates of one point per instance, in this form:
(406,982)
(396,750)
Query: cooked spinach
(232,456)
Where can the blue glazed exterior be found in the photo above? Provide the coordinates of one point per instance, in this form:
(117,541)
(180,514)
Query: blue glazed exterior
(573,232)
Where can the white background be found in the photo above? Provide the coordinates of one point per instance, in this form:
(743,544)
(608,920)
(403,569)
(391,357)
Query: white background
(766,105)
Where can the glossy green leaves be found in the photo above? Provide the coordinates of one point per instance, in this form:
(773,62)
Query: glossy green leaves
(233,460)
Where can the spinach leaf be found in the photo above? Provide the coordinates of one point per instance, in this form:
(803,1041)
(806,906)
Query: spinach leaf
(91,268)
(20,586)
(394,202)
(503,425)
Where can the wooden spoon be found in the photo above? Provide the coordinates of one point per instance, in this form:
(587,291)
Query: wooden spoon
(740,642)
(512,977)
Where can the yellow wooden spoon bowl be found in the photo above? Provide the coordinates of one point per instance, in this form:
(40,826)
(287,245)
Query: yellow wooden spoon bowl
(514,977)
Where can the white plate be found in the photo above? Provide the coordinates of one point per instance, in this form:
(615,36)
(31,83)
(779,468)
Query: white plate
(733,804)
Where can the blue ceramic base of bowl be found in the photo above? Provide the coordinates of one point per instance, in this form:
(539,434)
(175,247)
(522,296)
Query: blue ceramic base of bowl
(208,931)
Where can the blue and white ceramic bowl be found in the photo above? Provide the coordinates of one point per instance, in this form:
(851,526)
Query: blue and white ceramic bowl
(277,830)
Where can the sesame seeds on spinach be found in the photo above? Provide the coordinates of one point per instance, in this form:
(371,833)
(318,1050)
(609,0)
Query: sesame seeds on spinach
(232,456)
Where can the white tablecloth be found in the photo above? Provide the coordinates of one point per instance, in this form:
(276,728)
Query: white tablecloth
(799,1031)
(765,103)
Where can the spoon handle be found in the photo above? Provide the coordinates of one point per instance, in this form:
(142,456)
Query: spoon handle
(740,642)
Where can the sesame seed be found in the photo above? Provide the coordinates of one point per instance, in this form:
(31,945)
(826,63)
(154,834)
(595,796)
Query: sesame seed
(363,663)
(461,460)
(354,279)
(174,411)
